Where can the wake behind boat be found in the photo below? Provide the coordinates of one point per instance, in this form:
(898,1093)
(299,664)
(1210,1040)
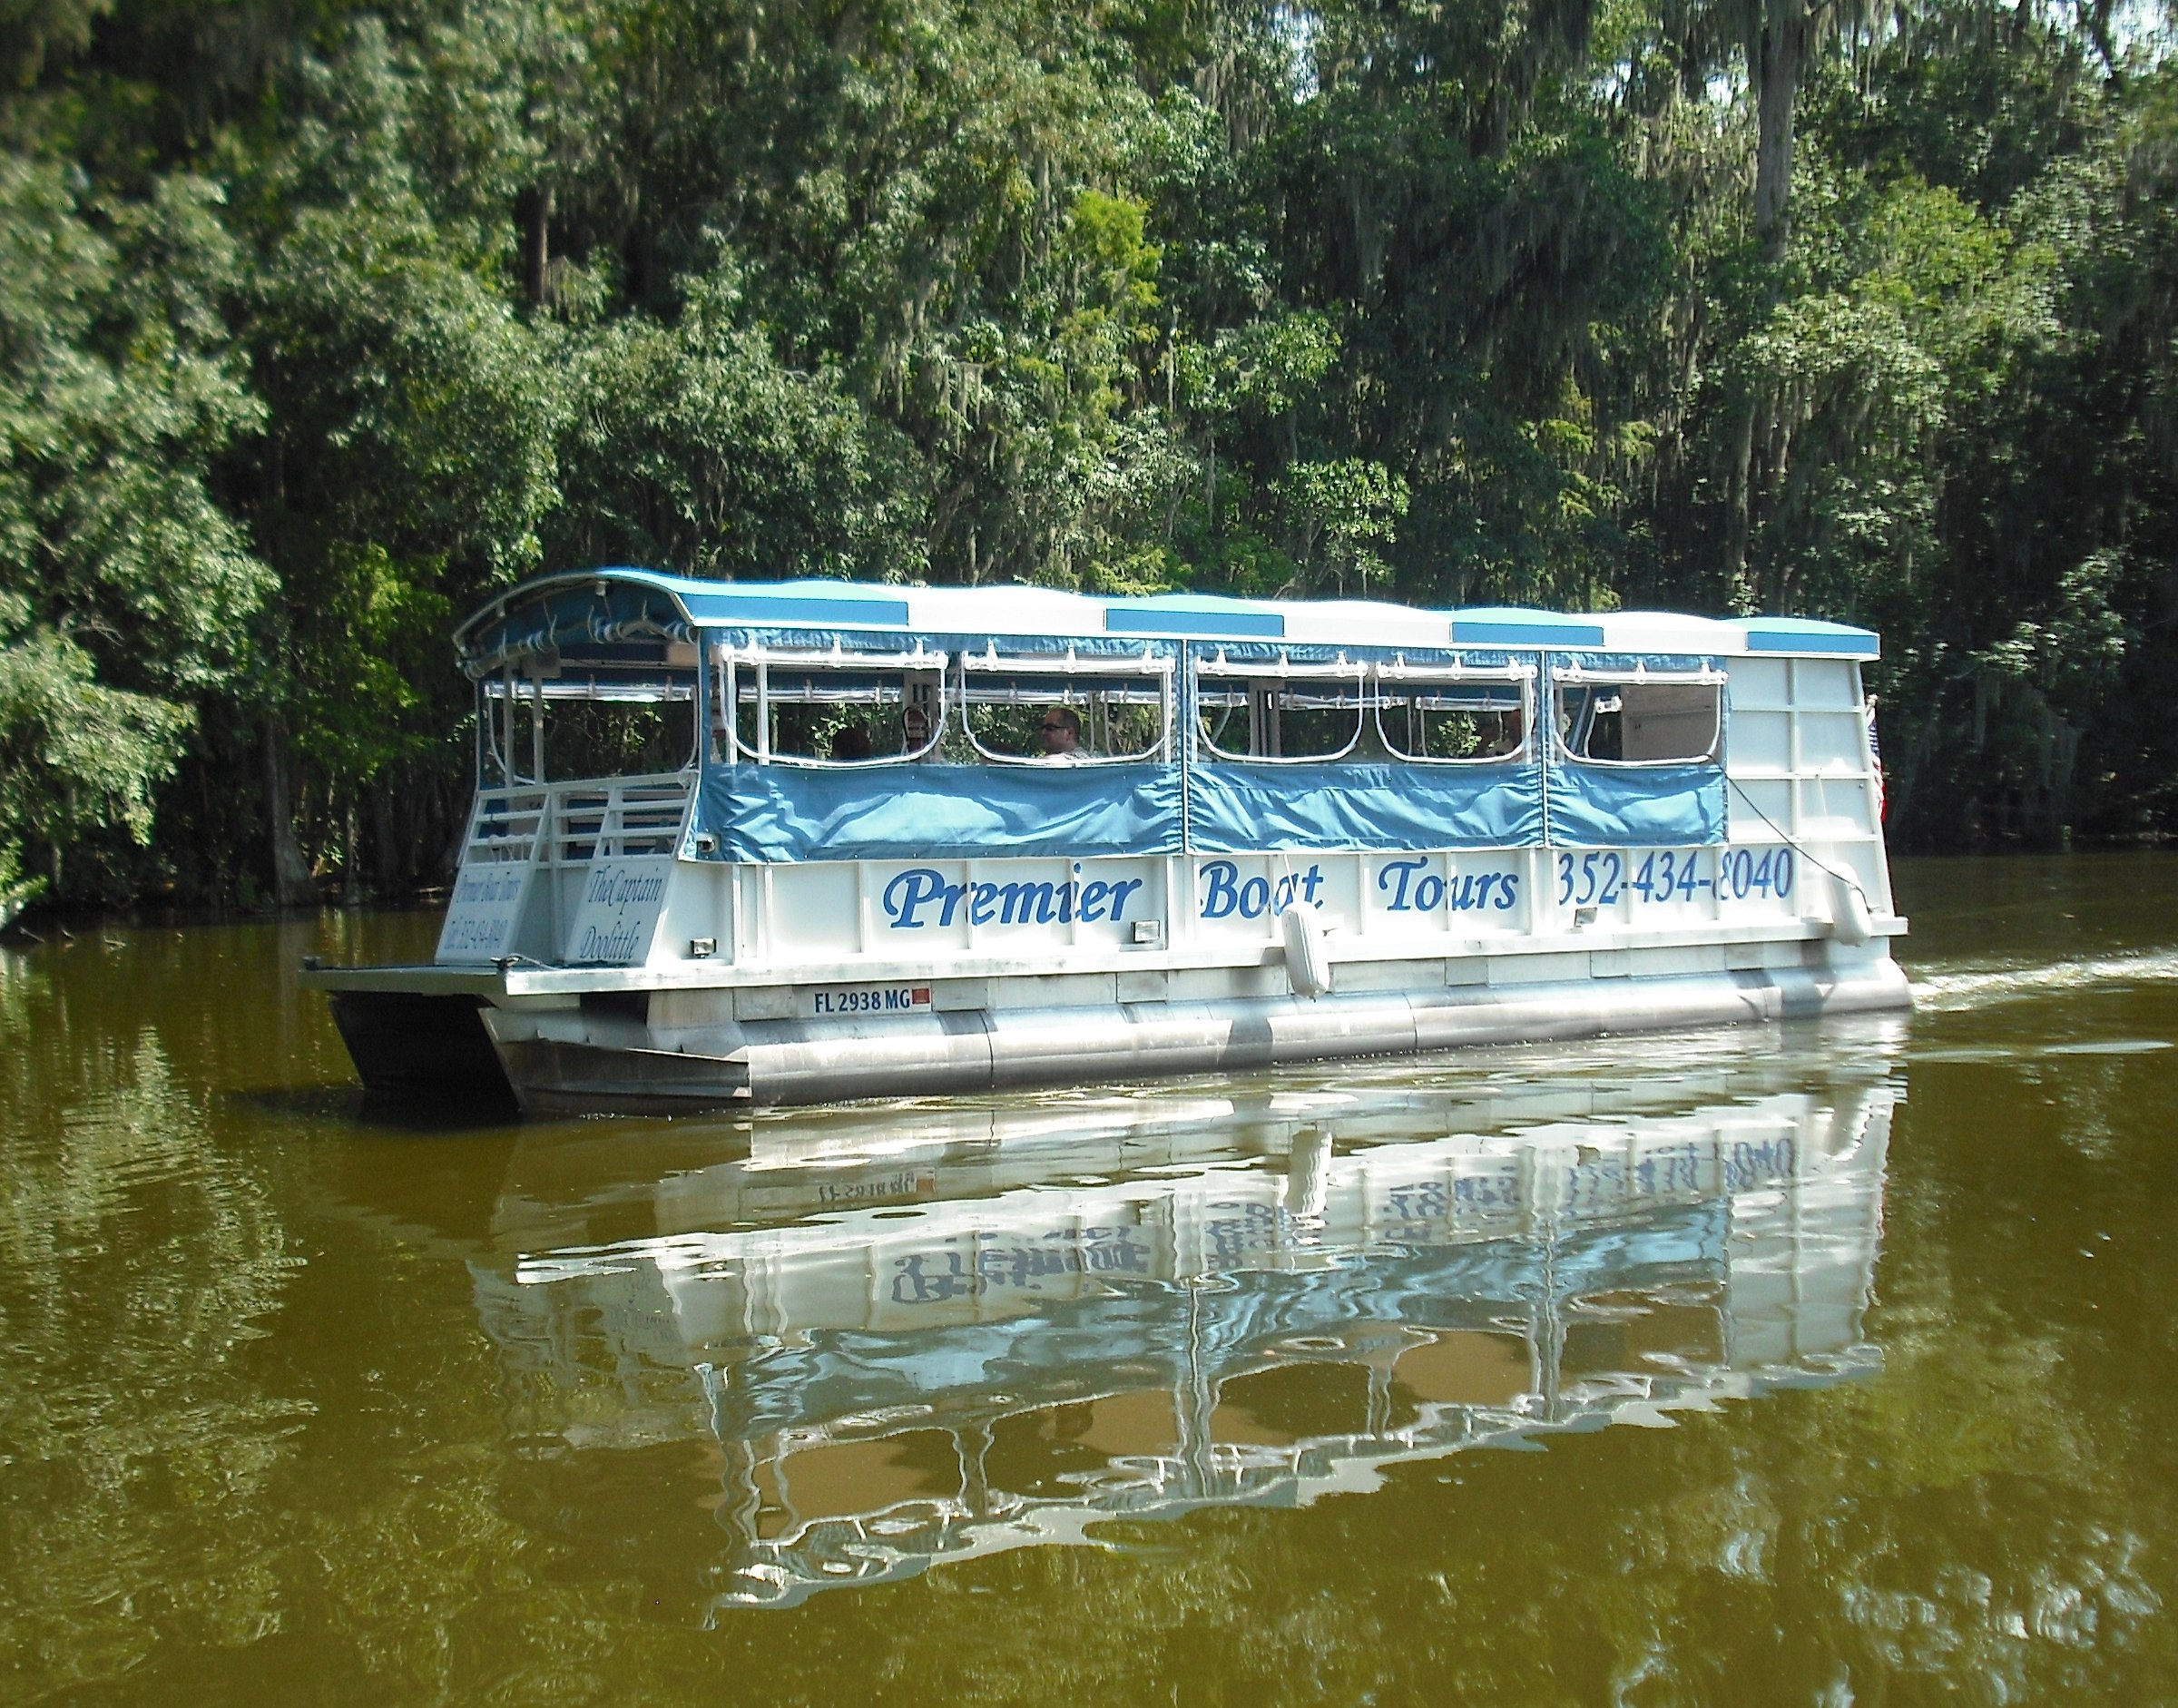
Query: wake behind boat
(806,841)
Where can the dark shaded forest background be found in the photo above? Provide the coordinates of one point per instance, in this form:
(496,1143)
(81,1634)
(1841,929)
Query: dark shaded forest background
(318,319)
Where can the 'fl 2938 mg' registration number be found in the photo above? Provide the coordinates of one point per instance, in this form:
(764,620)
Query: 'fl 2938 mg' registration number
(882,999)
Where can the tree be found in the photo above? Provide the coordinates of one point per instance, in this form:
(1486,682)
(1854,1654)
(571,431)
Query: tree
(125,589)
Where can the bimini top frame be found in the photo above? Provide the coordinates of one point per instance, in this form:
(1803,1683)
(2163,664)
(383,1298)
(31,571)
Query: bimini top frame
(627,617)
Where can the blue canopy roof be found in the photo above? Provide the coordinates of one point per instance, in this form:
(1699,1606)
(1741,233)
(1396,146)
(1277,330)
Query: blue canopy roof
(621,603)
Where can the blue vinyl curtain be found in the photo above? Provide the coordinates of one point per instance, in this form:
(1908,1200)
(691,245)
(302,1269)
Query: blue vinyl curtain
(778,813)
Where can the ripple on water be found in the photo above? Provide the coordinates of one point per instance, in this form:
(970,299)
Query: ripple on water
(1968,988)
(1986,1053)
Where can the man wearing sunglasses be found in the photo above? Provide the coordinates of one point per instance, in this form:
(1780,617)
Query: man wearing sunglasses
(1061,731)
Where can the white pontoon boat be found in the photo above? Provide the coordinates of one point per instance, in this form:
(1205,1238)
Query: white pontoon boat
(806,841)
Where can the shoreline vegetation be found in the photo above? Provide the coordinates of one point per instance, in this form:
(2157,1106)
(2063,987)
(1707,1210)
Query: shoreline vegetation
(319,322)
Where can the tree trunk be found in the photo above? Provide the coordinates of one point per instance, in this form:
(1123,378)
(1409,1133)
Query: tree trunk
(1774,60)
(1739,592)
(396,855)
(291,885)
(351,852)
(1906,770)
(536,244)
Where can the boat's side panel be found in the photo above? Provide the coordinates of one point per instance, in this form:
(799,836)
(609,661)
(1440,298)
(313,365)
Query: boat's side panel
(577,873)
(1801,767)
(601,890)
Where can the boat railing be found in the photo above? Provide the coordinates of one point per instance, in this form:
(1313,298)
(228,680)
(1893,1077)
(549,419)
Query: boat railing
(573,823)
(506,827)
(616,819)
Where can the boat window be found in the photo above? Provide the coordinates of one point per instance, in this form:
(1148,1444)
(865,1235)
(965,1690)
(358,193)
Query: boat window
(620,737)
(1283,712)
(826,710)
(1120,706)
(1436,716)
(1645,720)
(566,721)
(506,729)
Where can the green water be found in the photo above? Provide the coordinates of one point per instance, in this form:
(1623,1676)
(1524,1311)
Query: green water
(1813,1365)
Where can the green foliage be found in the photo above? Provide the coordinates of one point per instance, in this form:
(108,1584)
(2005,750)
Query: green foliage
(1338,512)
(312,333)
(75,754)
(692,444)
(125,587)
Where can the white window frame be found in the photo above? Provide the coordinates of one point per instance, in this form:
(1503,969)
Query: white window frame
(1575,675)
(1399,672)
(1250,672)
(730,663)
(543,684)
(1147,663)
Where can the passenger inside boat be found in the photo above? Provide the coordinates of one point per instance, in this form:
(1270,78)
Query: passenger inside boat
(1497,733)
(1061,733)
(850,744)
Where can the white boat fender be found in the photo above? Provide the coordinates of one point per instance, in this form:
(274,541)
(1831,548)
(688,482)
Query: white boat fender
(1851,923)
(1307,954)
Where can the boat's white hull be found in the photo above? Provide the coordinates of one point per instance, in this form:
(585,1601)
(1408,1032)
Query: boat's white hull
(567,1060)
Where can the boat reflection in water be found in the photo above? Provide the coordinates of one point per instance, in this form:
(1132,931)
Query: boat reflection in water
(918,1335)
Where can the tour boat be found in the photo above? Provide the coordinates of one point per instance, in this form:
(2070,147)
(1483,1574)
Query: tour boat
(806,841)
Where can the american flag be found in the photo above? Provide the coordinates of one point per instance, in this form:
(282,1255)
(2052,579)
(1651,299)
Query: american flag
(1875,755)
